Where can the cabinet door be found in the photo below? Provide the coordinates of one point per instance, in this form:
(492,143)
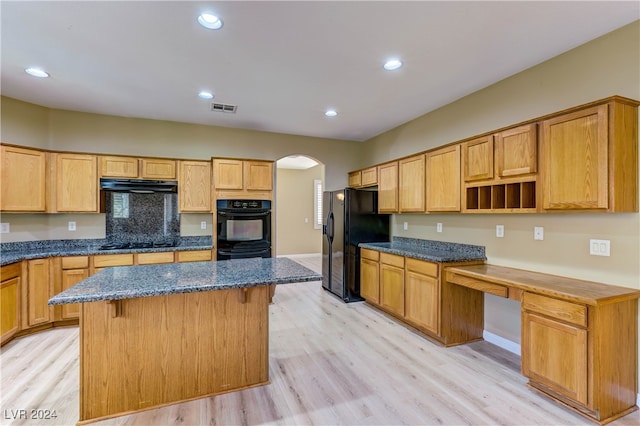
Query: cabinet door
(477,159)
(76,183)
(370,281)
(392,288)
(574,151)
(355,179)
(194,186)
(22,180)
(516,151)
(114,166)
(194,256)
(69,279)
(443,180)
(258,175)
(421,300)
(388,188)
(554,354)
(10,308)
(411,184)
(227,174)
(153,168)
(38,292)
(370,176)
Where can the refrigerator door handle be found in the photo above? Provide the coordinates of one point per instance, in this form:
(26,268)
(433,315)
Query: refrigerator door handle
(331,225)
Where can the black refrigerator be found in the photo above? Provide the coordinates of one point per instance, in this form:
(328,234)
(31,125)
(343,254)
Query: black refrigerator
(350,217)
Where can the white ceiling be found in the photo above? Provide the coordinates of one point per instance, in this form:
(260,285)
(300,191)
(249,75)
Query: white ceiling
(284,63)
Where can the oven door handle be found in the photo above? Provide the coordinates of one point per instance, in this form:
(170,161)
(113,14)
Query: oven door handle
(243,214)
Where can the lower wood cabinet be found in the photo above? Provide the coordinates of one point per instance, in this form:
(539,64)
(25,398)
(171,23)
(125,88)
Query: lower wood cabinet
(370,275)
(10,288)
(154,258)
(422,289)
(39,291)
(73,270)
(193,256)
(392,283)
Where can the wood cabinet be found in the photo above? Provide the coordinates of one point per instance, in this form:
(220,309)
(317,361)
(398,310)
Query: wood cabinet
(154,258)
(101,261)
(516,151)
(388,187)
(477,159)
(411,183)
(194,186)
(75,188)
(355,179)
(422,294)
(131,167)
(392,283)
(370,275)
(193,256)
(73,270)
(10,290)
(364,178)
(243,177)
(589,159)
(39,291)
(22,181)
(443,180)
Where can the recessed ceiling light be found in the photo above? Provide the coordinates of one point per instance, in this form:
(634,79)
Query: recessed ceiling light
(210,21)
(205,95)
(392,64)
(331,113)
(37,72)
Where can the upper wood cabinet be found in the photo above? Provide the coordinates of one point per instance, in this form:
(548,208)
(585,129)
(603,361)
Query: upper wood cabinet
(477,159)
(144,168)
(443,180)
(355,179)
(23,180)
(243,174)
(516,151)
(411,184)
(589,159)
(364,178)
(76,183)
(388,187)
(194,186)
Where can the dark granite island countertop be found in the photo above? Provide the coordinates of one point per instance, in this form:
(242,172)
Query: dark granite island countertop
(128,282)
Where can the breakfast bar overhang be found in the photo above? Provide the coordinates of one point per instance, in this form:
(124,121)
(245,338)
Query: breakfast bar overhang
(155,335)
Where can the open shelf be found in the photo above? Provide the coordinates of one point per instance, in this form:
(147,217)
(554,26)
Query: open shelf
(510,197)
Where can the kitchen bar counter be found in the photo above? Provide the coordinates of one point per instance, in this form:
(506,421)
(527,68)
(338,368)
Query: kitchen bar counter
(16,252)
(153,335)
(127,282)
(432,251)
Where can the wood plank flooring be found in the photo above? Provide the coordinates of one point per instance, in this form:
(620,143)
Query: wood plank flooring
(330,364)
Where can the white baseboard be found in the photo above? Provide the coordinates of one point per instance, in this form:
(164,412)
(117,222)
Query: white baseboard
(514,347)
(505,344)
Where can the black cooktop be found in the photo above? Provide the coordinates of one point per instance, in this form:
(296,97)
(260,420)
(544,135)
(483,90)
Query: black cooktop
(145,244)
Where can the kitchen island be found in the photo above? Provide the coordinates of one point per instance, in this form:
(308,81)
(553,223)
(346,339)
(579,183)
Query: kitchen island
(154,335)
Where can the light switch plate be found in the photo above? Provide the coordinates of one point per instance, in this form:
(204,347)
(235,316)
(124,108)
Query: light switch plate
(500,231)
(438,227)
(405,226)
(5,228)
(72,225)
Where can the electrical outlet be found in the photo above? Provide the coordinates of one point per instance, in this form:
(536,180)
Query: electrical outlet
(5,228)
(203,225)
(438,227)
(72,225)
(306,220)
(500,231)
(405,226)
(538,233)
(600,247)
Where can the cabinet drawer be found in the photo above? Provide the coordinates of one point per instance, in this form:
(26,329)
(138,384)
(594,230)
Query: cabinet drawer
(392,259)
(559,309)
(75,262)
(104,260)
(11,271)
(194,256)
(151,258)
(422,267)
(370,254)
(480,285)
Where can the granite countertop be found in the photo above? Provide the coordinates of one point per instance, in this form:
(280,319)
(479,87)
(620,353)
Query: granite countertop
(16,252)
(433,251)
(129,282)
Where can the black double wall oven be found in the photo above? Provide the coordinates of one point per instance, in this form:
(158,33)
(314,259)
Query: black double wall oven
(244,229)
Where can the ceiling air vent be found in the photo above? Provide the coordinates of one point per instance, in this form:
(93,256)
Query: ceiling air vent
(223,107)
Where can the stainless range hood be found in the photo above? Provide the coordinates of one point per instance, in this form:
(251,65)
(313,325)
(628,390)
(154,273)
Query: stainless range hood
(139,186)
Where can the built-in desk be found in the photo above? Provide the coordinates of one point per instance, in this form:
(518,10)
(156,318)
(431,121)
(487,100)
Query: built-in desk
(579,338)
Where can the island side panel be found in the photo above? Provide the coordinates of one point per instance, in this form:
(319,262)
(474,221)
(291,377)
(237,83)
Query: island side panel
(164,349)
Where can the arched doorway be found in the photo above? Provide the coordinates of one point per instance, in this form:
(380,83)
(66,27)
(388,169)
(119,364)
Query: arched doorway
(298,180)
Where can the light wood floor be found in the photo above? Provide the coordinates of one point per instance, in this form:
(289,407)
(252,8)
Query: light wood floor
(330,363)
